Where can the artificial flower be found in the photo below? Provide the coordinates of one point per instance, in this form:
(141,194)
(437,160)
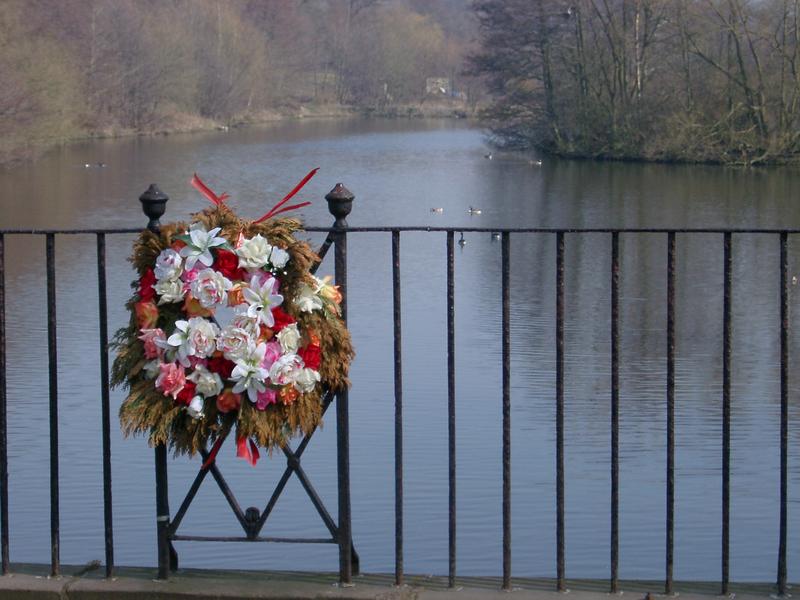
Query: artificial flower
(289,337)
(248,373)
(221,366)
(195,408)
(186,394)
(288,395)
(234,342)
(211,288)
(306,380)
(228,400)
(306,299)
(151,369)
(227,263)
(146,291)
(285,369)
(278,257)
(168,265)
(170,290)
(271,354)
(171,379)
(146,314)
(311,355)
(195,337)
(281,318)
(150,339)
(254,253)
(207,382)
(261,299)
(265,398)
(193,308)
(198,245)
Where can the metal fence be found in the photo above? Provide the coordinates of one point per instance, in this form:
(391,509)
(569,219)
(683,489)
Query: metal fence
(340,203)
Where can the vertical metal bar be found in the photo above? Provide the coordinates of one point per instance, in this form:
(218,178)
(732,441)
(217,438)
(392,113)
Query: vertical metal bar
(726,407)
(451,411)
(53,380)
(670,525)
(105,401)
(398,412)
(3,415)
(614,412)
(560,567)
(162,511)
(506,342)
(343,431)
(784,437)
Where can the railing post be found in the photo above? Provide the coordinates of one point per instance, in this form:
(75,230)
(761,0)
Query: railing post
(340,203)
(154,203)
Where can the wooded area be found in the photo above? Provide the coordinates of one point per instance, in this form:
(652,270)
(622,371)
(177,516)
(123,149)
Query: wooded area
(102,67)
(675,80)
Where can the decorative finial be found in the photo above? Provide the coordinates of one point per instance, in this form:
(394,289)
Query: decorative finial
(154,204)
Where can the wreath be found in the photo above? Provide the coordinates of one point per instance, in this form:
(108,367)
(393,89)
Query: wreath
(192,377)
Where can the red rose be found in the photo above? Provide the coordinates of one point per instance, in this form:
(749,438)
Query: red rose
(311,355)
(221,366)
(146,291)
(282,319)
(186,394)
(227,263)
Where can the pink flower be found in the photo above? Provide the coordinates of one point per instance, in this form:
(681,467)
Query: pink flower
(266,398)
(171,379)
(189,276)
(151,339)
(273,353)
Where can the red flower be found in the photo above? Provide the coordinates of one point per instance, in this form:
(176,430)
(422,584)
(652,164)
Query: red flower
(227,263)
(186,394)
(146,291)
(282,319)
(311,355)
(221,366)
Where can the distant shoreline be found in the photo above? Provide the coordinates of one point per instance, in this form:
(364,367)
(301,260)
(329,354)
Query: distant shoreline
(181,123)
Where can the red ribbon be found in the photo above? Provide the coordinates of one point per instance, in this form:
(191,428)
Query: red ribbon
(249,452)
(276,210)
(212,456)
(201,187)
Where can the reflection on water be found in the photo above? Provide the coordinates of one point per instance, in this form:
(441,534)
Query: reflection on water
(399,171)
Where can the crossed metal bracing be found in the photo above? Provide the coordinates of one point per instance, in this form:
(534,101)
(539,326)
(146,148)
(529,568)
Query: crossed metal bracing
(252,520)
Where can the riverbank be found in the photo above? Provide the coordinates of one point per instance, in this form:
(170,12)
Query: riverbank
(138,583)
(175,123)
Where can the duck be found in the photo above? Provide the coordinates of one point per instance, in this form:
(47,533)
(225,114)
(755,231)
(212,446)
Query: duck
(488,156)
(438,210)
(461,241)
(495,236)
(535,163)
(474,211)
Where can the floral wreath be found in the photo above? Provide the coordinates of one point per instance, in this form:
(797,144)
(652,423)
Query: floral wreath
(192,378)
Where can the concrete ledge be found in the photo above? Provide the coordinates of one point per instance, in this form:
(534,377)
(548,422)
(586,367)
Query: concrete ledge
(29,583)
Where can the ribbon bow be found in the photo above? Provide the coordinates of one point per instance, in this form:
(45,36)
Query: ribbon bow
(279,208)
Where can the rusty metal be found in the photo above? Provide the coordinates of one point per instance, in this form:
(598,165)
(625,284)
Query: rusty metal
(560,551)
(398,411)
(726,409)
(52,353)
(102,304)
(614,578)
(506,345)
(670,524)
(451,413)
(4,551)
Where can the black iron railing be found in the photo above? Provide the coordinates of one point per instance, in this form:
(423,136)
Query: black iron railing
(340,202)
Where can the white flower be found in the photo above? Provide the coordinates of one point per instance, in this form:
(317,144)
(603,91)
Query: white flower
(278,257)
(254,253)
(206,382)
(261,300)
(285,369)
(307,300)
(249,374)
(195,337)
(168,265)
(249,324)
(170,291)
(211,288)
(151,370)
(195,408)
(234,342)
(289,337)
(199,244)
(305,380)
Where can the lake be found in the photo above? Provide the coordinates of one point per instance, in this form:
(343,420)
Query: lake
(400,170)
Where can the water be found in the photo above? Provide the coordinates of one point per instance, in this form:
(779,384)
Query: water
(399,170)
